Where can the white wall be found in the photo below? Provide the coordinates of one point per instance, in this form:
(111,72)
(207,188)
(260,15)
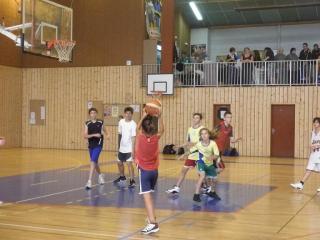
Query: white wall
(286,36)
(199,36)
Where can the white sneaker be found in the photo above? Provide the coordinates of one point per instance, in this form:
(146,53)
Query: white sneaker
(101,180)
(151,228)
(89,184)
(297,185)
(318,190)
(173,190)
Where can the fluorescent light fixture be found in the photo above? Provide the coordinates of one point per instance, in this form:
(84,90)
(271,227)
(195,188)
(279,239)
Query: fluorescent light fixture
(196,11)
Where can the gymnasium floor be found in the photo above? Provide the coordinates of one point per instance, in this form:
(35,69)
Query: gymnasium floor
(44,197)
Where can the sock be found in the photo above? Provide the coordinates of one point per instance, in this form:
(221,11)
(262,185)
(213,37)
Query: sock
(302,182)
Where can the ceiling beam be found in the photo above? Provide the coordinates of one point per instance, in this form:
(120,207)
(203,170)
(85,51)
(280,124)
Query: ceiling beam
(207,1)
(269,7)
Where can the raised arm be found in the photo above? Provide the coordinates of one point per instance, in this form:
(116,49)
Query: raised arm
(144,115)
(161,127)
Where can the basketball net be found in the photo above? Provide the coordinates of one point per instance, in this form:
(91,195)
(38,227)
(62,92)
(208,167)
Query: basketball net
(63,48)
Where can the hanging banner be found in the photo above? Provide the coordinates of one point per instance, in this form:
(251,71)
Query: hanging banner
(153,18)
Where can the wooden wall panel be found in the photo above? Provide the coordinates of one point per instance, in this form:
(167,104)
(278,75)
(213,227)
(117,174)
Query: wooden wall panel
(67,90)
(11,105)
(10,53)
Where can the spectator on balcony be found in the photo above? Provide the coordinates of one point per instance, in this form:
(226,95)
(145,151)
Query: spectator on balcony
(269,55)
(315,51)
(281,67)
(256,56)
(306,67)
(232,72)
(305,53)
(270,66)
(292,56)
(294,66)
(280,55)
(247,66)
(258,68)
(232,55)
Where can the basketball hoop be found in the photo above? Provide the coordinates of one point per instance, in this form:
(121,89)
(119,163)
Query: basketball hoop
(63,48)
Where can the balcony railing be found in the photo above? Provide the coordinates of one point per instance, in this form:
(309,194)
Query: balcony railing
(273,73)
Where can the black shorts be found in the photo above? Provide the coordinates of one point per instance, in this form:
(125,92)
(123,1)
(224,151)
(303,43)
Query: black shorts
(124,157)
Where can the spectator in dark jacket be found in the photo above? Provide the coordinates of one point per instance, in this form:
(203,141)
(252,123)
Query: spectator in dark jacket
(232,55)
(280,55)
(305,53)
(269,56)
(281,66)
(292,56)
(315,51)
(306,67)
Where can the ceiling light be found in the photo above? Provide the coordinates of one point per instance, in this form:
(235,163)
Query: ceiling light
(196,11)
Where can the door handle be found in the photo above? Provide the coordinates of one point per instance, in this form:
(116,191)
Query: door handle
(273,131)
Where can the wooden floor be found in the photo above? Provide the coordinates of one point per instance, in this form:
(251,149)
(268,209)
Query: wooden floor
(280,213)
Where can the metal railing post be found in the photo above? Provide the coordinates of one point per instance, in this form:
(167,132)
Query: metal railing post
(317,71)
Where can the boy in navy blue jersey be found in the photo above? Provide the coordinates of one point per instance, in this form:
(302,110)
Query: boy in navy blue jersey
(94,131)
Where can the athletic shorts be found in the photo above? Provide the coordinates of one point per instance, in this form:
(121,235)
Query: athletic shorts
(95,153)
(313,164)
(210,171)
(124,157)
(148,180)
(190,163)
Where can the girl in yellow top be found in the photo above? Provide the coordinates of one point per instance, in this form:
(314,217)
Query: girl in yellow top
(208,153)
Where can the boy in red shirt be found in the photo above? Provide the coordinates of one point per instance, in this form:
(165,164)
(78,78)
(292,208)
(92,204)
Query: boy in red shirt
(225,133)
(147,159)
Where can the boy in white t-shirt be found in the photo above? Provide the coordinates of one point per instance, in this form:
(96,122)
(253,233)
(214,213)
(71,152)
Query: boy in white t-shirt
(314,159)
(126,143)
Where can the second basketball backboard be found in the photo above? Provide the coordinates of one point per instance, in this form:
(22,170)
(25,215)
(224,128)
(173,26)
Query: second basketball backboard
(160,83)
(44,21)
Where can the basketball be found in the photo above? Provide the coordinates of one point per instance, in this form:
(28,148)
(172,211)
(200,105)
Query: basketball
(153,108)
(2,141)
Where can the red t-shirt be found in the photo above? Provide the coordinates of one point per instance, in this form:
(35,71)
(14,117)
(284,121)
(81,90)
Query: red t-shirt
(223,139)
(147,152)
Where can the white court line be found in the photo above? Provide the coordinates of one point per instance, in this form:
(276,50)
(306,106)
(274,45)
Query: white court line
(73,168)
(71,190)
(57,193)
(55,230)
(59,230)
(40,183)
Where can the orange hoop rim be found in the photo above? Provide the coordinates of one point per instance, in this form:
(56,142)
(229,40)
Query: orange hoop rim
(51,43)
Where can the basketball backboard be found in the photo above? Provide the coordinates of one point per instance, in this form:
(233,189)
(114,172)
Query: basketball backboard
(160,83)
(44,21)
